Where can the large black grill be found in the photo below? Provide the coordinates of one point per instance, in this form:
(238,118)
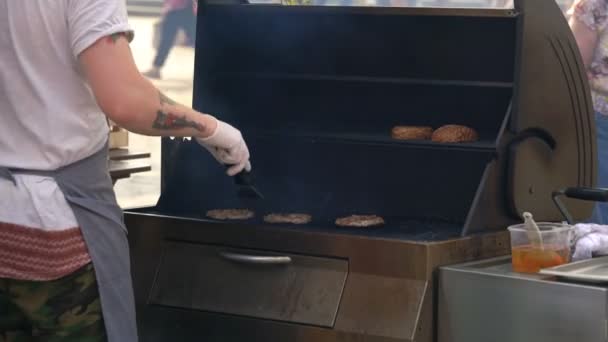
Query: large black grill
(316,91)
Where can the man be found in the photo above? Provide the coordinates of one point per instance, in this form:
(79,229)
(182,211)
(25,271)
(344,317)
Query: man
(588,21)
(176,14)
(65,68)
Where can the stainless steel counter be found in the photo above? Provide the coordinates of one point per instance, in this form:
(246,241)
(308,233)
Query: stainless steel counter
(485,301)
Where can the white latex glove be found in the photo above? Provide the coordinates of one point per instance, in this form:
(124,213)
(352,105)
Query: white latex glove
(226,144)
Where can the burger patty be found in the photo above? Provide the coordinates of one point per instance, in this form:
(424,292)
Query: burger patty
(288,218)
(230,214)
(360,221)
(412,132)
(454,134)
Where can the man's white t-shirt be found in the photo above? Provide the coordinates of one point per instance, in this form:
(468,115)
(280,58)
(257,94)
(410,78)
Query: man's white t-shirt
(49,115)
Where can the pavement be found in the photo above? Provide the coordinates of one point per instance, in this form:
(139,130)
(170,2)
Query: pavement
(145,7)
(143,189)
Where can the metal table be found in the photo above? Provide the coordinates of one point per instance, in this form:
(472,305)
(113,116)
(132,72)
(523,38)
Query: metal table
(485,301)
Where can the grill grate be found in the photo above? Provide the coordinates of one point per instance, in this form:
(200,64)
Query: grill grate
(403,228)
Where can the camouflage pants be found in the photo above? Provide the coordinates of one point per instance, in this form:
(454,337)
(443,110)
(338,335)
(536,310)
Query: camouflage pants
(62,310)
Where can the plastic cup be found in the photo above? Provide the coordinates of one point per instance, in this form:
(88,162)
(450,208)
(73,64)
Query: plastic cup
(528,256)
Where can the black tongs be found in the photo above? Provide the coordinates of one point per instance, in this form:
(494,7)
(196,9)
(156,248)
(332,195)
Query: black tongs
(245,186)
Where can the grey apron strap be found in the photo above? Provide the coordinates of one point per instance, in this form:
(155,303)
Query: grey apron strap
(87,187)
(106,241)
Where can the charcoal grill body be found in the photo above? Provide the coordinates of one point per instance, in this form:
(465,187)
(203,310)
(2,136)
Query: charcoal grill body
(315,91)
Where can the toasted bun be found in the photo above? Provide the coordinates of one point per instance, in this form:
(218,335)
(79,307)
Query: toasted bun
(411,132)
(454,134)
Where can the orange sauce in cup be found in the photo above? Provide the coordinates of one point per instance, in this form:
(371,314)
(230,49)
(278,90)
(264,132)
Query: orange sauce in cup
(530,259)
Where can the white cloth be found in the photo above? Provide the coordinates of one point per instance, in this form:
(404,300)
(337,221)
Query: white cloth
(589,240)
(49,115)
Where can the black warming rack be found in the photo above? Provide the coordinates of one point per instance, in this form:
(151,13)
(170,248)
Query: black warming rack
(316,90)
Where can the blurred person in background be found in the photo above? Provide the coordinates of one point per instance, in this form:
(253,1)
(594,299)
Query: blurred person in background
(177,14)
(588,21)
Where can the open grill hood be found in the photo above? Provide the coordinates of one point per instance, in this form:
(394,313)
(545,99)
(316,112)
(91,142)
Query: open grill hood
(316,90)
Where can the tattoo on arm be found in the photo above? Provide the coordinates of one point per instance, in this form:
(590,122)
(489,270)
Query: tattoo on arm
(168,120)
(172,121)
(113,38)
(164,99)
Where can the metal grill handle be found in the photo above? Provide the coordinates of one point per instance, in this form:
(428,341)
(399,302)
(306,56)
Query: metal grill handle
(581,193)
(255,259)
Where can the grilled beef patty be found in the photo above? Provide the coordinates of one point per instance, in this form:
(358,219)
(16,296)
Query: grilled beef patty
(230,214)
(288,218)
(360,221)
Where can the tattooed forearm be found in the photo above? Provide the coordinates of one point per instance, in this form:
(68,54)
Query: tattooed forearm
(165,119)
(171,121)
(113,38)
(164,99)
